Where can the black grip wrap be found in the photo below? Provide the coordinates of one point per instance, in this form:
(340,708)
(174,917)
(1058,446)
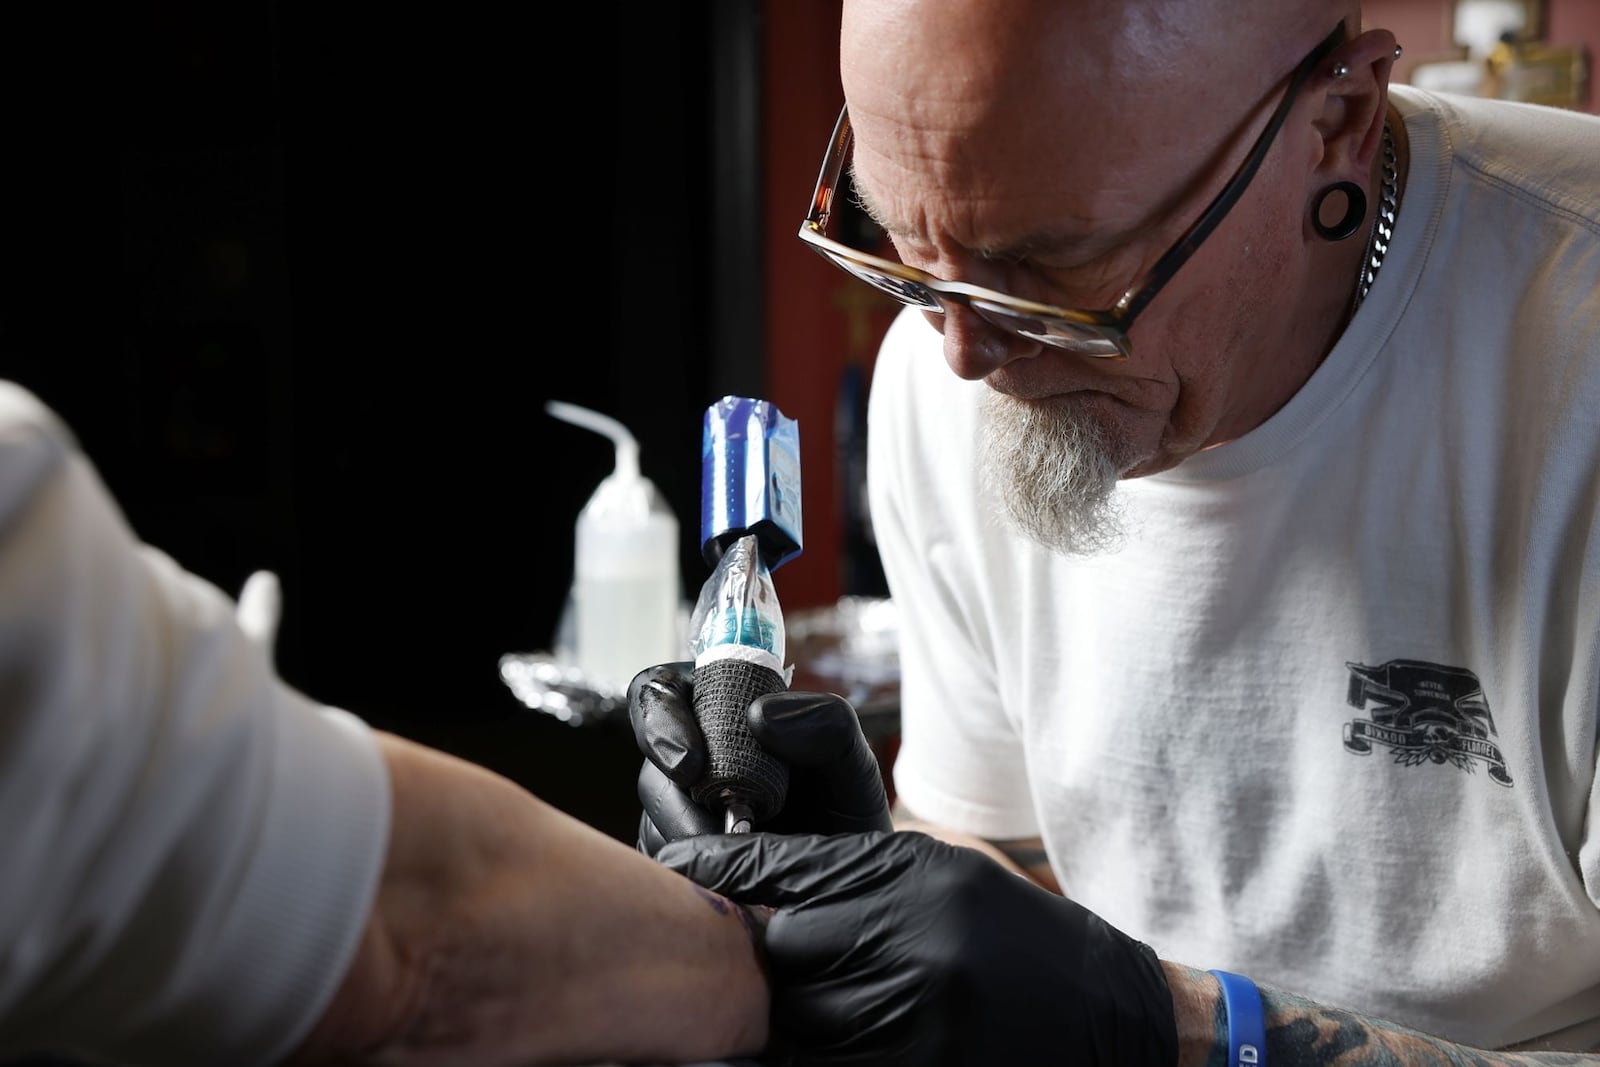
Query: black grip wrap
(738,768)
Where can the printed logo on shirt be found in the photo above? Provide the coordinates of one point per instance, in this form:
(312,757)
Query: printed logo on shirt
(1423,713)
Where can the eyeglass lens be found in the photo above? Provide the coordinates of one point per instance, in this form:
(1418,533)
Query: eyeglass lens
(1063,335)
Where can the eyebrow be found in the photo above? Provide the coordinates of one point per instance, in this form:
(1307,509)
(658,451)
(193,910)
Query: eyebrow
(1028,246)
(1045,242)
(859,199)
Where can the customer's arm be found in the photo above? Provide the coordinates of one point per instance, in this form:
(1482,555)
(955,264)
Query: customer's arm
(203,866)
(505,931)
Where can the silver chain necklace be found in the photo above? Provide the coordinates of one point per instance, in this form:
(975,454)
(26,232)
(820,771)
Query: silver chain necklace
(1382,223)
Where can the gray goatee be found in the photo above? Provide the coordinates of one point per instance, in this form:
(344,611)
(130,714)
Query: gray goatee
(1051,475)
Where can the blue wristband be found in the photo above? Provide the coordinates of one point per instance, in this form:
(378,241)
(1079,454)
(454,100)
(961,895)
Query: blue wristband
(1247,1025)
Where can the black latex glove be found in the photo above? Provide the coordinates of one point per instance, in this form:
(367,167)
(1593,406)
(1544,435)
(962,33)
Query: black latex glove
(835,785)
(898,949)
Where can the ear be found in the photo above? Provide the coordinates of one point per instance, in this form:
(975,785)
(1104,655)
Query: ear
(1354,106)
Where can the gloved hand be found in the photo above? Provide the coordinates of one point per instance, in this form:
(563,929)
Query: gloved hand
(835,785)
(898,949)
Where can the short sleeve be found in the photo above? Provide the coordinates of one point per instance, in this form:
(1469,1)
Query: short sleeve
(191,846)
(961,762)
(1589,850)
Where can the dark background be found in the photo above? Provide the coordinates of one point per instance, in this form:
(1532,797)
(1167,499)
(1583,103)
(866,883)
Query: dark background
(302,277)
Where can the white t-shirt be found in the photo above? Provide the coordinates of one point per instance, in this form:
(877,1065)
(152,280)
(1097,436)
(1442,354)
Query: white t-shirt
(188,847)
(1329,718)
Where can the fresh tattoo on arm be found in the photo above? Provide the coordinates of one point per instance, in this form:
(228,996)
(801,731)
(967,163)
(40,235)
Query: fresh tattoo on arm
(752,917)
(1301,1033)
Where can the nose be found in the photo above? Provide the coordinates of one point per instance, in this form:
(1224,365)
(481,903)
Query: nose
(975,349)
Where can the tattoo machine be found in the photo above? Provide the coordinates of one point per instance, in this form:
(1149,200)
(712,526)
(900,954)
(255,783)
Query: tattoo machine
(749,527)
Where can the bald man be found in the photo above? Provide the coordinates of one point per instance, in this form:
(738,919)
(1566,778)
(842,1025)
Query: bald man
(1248,562)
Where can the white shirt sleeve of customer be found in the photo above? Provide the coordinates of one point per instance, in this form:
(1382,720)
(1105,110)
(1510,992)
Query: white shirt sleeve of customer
(961,763)
(190,846)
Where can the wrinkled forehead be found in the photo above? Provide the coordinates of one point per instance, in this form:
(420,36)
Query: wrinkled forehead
(912,157)
(1090,122)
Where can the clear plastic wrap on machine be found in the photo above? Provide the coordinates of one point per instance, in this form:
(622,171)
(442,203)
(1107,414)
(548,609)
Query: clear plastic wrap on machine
(750,480)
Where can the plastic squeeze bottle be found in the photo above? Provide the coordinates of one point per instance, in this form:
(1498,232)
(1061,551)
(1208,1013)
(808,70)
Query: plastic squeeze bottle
(626,586)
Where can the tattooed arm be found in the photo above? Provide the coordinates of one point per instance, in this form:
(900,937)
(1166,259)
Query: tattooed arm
(1303,1034)
(505,931)
(1299,1033)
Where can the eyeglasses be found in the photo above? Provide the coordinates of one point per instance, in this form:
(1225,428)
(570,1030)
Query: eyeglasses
(1102,334)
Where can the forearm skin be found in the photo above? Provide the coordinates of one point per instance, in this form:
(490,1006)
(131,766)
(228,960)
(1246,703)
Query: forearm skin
(507,932)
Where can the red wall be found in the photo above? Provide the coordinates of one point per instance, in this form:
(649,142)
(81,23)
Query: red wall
(816,322)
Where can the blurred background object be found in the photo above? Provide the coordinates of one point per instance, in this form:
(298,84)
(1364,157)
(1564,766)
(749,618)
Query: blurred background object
(1533,51)
(852,648)
(287,273)
(303,279)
